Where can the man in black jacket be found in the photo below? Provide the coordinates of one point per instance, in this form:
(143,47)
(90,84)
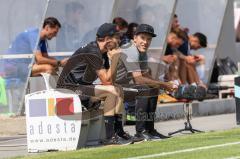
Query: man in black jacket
(89,63)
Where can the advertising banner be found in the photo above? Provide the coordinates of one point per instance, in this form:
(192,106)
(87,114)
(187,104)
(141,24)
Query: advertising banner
(53,120)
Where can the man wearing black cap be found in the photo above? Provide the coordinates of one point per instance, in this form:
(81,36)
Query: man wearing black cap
(133,68)
(89,63)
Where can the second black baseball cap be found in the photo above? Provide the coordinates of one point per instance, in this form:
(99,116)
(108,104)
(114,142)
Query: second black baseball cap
(145,28)
(106,29)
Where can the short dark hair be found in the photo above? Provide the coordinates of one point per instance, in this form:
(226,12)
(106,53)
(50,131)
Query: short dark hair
(202,39)
(73,7)
(131,32)
(175,16)
(52,22)
(120,22)
(132,25)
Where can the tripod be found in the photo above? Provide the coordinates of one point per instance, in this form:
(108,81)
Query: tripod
(188,115)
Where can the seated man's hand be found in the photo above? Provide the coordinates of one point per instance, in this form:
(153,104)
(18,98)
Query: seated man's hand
(63,61)
(169,86)
(190,59)
(169,58)
(113,53)
(199,58)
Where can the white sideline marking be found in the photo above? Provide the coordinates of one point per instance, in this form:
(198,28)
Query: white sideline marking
(185,150)
(236,157)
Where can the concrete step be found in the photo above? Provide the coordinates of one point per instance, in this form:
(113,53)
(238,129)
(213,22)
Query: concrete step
(203,108)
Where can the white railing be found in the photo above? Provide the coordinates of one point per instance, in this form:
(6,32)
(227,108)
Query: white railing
(24,56)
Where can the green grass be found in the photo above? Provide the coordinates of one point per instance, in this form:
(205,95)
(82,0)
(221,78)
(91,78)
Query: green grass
(155,147)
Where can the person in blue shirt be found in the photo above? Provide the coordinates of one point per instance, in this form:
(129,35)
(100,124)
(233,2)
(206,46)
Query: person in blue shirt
(193,64)
(25,43)
(43,62)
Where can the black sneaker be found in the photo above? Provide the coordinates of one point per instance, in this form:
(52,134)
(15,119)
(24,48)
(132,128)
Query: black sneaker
(125,135)
(115,140)
(157,135)
(141,136)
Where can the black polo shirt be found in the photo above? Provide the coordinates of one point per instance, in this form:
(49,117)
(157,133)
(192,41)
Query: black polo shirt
(83,65)
(169,50)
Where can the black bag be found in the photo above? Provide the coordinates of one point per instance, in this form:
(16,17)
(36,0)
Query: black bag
(190,92)
(229,63)
(227,66)
(223,66)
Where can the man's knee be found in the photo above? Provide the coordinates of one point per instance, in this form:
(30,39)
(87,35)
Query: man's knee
(49,69)
(115,90)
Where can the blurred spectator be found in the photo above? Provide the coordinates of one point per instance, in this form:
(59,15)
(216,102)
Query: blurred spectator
(175,39)
(192,42)
(26,43)
(122,24)
(131,30)
(195,41)
(122,27)
(69,36)
(175,22)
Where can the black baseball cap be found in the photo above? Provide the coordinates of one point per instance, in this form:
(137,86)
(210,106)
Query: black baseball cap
(106,29)
(145,28)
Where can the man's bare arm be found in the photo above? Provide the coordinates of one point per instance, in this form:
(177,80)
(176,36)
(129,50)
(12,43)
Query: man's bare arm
(140,79)
(41,59)
(180,54)
(107,76)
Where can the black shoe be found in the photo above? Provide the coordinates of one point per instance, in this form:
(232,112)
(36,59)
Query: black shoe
(115,140)
(157,135)
(141,136)
(125,135)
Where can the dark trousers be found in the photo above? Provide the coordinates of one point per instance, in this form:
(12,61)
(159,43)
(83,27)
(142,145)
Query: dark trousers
(146,103)
(145,113)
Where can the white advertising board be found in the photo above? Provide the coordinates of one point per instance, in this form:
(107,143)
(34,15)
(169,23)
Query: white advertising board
(53,120)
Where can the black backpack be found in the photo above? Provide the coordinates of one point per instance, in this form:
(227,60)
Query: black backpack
(223,66)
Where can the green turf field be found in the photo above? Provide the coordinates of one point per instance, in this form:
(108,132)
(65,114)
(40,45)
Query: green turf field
(211,145)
